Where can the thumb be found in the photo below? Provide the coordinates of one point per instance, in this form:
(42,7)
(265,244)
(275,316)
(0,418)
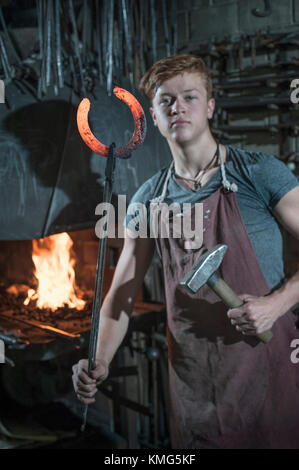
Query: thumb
(100,371)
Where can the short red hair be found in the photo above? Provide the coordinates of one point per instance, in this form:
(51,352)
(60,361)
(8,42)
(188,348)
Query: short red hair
(169,67)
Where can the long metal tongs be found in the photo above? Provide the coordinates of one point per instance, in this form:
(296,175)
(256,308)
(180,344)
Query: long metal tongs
(98,291)
(110,153)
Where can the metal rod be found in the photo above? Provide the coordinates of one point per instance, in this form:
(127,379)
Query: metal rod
(39,9)
(98,42)
(4,60)
(104,34)
(120,37)
(110,46)
(76,43)
(166,31)
(141,46)
(42,51)
(48,328)
(49,41)
(58,44)
(127,28)
(153,29)
(174,26)
(97,299)
(8,38)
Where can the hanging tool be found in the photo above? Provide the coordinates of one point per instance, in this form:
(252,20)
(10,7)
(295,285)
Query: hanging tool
(174,25)
(128,38)
(110,47)
(98,43)
(153,30)
(58,44)
(166,30)
(110,152)
(76,45)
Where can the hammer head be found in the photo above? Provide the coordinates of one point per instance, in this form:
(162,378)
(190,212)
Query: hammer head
(203,269)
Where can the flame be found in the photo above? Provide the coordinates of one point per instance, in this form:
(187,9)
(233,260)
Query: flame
(54,270)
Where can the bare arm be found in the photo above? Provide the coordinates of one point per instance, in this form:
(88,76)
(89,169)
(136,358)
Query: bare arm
(117,308)
(287,212)
(119,302)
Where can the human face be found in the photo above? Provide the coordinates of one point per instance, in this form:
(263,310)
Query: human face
(181,109)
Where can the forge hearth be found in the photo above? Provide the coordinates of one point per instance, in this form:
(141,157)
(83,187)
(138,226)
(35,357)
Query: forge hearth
(13,311)
(20,281)
(43,363)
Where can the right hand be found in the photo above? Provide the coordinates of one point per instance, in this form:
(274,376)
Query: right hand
(86,387)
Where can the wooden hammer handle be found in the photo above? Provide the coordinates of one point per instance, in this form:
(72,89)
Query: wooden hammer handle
(233,301)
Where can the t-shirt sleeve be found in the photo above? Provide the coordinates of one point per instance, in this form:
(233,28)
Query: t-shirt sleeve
(272,179)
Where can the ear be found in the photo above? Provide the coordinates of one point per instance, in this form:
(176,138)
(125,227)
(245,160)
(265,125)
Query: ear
(153,115)
(211,108)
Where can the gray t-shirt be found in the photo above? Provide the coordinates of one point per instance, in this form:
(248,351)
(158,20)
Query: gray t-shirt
(262,181)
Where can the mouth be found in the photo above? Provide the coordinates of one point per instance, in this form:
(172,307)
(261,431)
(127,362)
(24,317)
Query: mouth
(179,123)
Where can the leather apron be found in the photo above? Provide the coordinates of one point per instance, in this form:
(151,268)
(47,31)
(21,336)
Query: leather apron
(227,390)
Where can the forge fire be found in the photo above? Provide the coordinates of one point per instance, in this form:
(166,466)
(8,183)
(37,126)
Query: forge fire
(54,271)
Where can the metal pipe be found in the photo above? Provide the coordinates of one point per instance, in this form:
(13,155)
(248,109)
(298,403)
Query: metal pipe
(165,26)
(153,30)
(58,44)
(98,43)
(97,299)
(8,38)
(110,46)
(4,59)
(49,21)
(76,44)
(128,39)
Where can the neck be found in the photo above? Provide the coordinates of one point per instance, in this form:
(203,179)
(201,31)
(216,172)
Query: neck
(190,159)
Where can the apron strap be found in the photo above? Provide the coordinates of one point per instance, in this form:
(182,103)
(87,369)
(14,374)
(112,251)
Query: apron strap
(225,183)
(163,180)
(166,174)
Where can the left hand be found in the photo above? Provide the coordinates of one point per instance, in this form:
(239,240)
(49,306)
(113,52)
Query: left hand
(256,315)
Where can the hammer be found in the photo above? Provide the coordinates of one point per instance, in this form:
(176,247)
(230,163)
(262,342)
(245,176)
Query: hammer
(204,272)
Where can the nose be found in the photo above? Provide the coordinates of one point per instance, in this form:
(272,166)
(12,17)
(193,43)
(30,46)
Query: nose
(177,106)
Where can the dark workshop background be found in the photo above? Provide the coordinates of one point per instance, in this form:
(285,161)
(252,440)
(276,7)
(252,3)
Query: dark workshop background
(55,53)
(52,54)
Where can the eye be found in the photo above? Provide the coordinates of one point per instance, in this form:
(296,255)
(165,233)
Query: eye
(165,101)
(190,97)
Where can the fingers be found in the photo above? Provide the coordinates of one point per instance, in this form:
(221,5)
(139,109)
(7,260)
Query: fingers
(246,297)
(246,329)
(85,386)
(243,320)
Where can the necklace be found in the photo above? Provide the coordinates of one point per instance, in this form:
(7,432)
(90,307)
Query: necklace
(197,181)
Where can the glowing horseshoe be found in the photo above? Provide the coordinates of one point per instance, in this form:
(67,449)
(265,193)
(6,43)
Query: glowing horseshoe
(137,137)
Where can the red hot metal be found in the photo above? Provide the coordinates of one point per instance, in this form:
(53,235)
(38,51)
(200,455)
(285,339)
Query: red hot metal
(139,132)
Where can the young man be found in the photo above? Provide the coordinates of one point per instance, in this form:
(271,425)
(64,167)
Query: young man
(227,388)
